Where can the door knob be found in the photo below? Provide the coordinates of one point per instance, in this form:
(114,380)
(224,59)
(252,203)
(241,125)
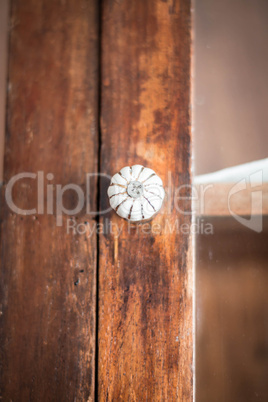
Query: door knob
(136,193)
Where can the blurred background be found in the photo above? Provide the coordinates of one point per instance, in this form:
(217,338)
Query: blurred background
(231,85)
(231,128)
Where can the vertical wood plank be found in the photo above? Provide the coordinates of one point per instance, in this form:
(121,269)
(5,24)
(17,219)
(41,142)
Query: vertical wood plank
(145,344)
(48,276)
(4,14)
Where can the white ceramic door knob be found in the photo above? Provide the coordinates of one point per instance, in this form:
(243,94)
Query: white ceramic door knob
(136,193)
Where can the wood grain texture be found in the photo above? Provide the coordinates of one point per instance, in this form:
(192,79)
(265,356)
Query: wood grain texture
(4,13)
(145,275)
(48,284)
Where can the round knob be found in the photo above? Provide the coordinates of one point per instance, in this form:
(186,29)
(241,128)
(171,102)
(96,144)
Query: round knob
(136,193)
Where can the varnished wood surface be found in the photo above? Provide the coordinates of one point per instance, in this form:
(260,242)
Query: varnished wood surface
(48,281)
(145,278)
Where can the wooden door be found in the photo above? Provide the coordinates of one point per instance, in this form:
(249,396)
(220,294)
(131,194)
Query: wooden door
(87,314)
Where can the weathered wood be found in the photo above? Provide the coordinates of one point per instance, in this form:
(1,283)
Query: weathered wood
(145,276)
(48,284)
(4,13)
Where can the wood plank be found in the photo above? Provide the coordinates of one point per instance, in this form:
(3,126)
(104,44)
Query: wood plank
(48,277)
(4,14)
(145,344)
(218,199)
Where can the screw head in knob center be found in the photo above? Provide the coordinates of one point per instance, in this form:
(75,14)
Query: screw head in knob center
(135,189)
